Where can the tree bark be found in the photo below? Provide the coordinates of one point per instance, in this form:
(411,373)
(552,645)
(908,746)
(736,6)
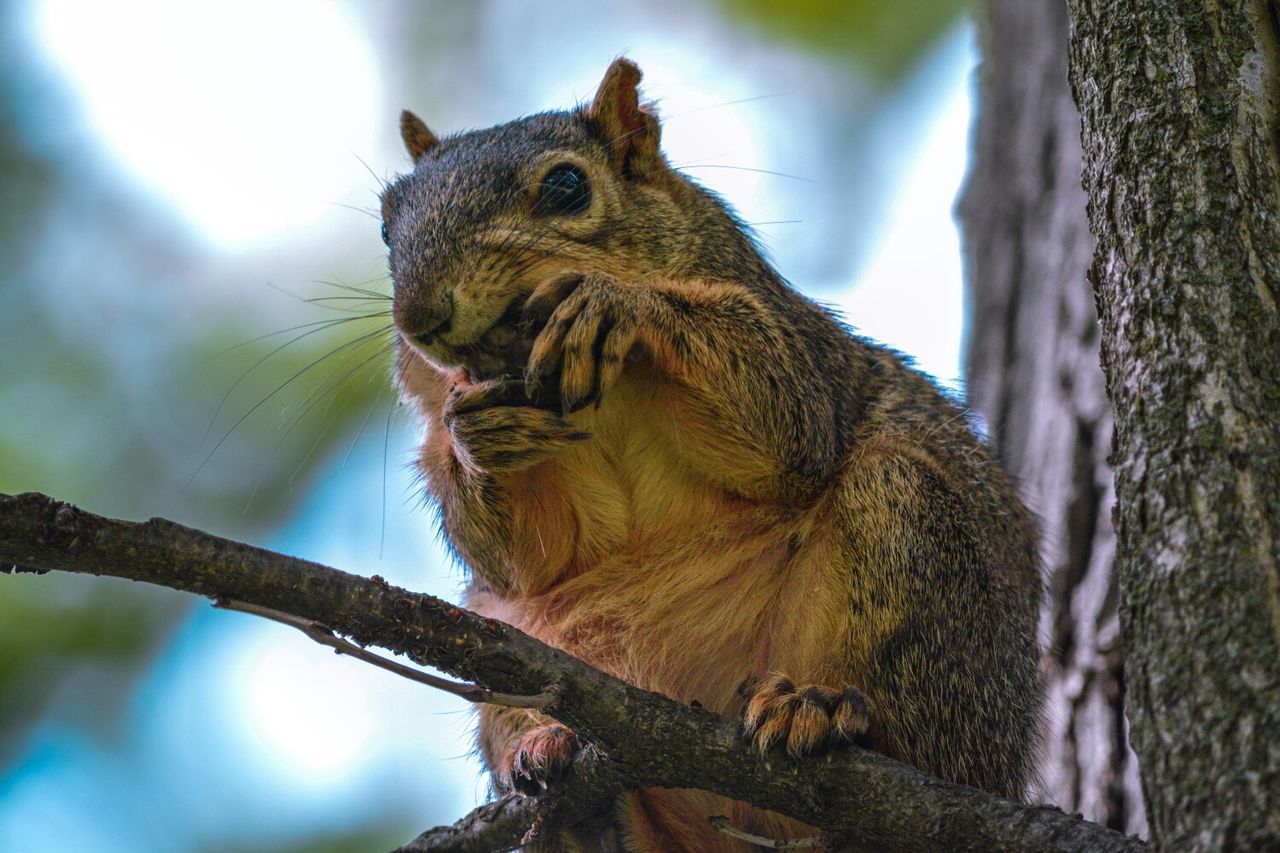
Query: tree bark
(1180,100)
(854,796)
(1033,374)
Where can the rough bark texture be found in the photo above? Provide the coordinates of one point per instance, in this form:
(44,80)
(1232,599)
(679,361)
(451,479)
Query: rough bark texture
(854,796)
(1033,374)
(516,820)
(1179,103)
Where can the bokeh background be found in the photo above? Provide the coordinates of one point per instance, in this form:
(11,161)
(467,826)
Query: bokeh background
(191,325)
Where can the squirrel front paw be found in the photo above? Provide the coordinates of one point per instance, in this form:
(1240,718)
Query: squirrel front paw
(806,719)
(496,427)
(539,759)
(590,330)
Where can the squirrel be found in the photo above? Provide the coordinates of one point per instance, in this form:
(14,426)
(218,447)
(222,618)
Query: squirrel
(652,452)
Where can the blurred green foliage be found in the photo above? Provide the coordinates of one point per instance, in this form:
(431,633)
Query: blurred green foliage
(884,38)
(49,631)
(88,419)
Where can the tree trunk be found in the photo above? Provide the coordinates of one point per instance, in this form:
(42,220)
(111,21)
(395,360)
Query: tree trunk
(1179,100)
(1033,374)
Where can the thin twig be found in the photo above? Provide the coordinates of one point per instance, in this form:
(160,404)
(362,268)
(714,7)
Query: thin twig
(325,636)
(722,824)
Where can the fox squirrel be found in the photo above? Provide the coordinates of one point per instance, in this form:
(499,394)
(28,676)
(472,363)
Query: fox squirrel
(653,453)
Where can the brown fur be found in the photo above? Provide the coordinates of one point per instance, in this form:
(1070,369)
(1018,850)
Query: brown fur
(692,477)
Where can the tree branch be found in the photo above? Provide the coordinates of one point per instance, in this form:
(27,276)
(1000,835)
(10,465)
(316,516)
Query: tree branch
(643,738)
(587,791)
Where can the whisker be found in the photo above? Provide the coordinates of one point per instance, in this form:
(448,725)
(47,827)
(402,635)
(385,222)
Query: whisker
(361,304)
(373,294)
(278,389)
(386,443)
(721,104)
(382,182)
(322,390)
(321,326)
(369,295)
(325,387)
(355,439)
(311,403)
(327,323)
(366,211)
(315,300)
(526,246)
(636,130)
(545,254)
(747,169)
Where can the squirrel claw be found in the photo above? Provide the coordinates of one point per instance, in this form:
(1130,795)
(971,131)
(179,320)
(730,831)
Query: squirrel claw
(589,331)
(807,719)
(542,302)
(540,759)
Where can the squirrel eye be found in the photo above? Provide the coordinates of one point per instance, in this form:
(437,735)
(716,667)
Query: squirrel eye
(565,191)
(386,237)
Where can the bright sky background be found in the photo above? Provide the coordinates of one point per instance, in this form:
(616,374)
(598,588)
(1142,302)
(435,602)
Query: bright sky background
(214,112)
(173,112)
(910,294)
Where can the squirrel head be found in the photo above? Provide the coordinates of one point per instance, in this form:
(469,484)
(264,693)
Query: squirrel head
(487,215)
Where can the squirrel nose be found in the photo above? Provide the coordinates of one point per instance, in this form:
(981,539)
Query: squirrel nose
(427,336)
(423,323)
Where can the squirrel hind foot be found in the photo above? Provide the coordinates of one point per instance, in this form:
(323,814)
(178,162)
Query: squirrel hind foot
(806,719)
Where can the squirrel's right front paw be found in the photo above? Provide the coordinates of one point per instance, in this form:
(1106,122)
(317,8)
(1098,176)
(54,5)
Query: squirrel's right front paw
(590,328)
(495,427)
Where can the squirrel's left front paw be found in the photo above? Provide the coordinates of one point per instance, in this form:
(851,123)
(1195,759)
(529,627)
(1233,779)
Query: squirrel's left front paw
(495,428)
(590,330)
(805,719)
(539,759)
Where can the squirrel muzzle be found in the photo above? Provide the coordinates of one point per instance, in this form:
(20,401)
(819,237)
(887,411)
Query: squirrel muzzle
(422,318)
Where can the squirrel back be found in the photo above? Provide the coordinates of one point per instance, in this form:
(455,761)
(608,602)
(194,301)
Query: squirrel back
(653,453)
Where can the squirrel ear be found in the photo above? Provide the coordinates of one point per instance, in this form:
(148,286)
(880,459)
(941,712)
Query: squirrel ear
(629,128)
(417,137)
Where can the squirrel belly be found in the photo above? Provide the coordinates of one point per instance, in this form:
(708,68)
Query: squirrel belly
(652,453)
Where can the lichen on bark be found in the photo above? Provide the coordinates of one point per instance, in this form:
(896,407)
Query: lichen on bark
(1179,108)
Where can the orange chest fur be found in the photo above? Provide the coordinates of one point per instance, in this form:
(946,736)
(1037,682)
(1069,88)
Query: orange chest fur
(625,559)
